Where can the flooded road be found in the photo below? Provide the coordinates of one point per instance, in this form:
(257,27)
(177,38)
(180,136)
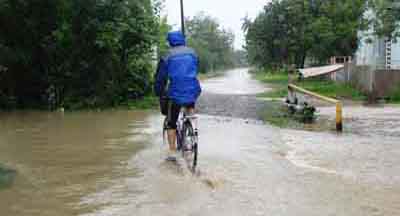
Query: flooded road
(111,163)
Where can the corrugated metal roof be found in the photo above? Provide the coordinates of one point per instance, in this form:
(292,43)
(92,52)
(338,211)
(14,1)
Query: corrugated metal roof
(318,71)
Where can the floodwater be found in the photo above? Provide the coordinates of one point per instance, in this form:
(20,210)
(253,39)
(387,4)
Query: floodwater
(234,82)
(111,163)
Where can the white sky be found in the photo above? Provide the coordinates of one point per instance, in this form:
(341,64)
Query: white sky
(229,13)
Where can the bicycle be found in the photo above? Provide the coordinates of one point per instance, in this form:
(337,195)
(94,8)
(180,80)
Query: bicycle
(187,138)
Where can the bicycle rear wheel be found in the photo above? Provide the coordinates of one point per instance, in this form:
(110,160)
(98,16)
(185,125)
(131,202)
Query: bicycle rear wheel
(189,146)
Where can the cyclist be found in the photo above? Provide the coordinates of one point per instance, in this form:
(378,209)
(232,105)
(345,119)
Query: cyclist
(177,84)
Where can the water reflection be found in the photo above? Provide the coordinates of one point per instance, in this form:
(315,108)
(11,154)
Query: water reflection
(61,157)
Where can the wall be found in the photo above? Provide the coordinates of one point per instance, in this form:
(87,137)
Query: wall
(372,81)
(386,81)
(395,56)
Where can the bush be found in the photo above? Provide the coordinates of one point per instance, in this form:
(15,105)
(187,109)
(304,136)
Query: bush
(75,53)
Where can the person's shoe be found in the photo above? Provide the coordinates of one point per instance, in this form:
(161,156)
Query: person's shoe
(172,156)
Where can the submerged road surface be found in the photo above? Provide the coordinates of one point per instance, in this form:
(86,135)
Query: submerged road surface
(111,163)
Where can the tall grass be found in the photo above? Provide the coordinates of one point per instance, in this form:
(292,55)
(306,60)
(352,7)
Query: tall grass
(280,79)
(394,96)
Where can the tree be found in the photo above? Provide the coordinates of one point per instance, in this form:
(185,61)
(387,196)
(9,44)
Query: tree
(213,44)
(163,31)
(386,22)
(290,31)
(240,58)
(75,53)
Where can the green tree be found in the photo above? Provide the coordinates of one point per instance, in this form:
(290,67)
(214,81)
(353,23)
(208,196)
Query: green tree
(75,53)
(240,58)
(291,31)
(163,43)
(387,18)
(213,44)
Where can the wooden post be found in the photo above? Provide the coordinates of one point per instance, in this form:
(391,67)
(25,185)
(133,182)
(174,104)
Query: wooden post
(339,117)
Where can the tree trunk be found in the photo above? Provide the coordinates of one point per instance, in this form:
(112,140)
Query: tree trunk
(303,59)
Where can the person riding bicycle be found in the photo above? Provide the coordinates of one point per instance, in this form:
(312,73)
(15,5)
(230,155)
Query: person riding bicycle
(176,84)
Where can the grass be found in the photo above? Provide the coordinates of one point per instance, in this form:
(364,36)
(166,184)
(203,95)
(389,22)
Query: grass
(6,177)
(279,82)
(332,89)
(394,96)
(273,78)
(276,93)
(277,114)
(146,103)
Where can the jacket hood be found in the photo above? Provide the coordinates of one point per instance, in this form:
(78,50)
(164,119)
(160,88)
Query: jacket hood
(176,38)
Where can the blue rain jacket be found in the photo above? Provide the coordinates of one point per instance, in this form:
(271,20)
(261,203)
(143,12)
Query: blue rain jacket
(177,72)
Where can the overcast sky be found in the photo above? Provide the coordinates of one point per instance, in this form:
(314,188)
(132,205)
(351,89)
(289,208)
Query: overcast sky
(228,12)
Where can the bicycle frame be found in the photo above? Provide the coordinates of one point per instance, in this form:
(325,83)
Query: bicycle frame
(186,128)
(185,116)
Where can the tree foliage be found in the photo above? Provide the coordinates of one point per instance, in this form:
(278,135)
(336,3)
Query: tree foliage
(240,58)
(162,39)
(291,31)
(75,53)
(213,44)
(386,22)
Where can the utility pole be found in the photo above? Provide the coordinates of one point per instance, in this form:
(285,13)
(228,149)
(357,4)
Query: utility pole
(182,18)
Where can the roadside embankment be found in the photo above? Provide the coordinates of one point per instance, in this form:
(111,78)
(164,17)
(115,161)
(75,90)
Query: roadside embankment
(279,80)
(358,118)
(277,113)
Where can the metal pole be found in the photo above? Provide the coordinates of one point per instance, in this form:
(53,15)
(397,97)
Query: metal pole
(182,18)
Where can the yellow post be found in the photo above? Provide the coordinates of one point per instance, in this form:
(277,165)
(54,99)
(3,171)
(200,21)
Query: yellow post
(339,117)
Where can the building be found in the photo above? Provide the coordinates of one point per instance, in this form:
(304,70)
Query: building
(378,53)
(375,52)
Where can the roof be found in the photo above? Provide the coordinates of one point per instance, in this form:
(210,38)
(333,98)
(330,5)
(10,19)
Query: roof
(319,71)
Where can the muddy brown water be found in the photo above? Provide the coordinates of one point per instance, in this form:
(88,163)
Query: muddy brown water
(111,163)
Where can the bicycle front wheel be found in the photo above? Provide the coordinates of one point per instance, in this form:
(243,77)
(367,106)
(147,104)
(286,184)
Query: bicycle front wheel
(190,146)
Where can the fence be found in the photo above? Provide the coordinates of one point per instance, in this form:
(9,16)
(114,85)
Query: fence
(371,80)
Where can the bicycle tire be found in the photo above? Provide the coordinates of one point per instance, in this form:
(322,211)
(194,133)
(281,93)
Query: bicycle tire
(189,135)
(179,140)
